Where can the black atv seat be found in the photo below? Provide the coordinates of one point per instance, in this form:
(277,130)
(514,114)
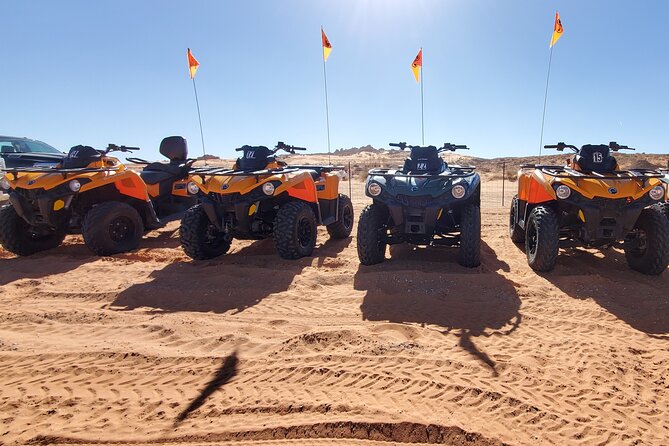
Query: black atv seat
(424,160)
(254,158)
(158,176)
(175,149)
(80,156)
(595,158)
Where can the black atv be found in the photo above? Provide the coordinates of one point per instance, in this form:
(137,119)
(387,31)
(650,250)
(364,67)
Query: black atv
(427,202)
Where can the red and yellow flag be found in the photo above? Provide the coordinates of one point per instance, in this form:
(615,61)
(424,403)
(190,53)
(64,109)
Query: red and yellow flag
(417,64)
(557,29)
(193,64)
(327,47)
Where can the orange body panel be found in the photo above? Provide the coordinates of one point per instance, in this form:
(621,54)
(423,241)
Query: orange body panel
(304,190)
(132,186)
(331,183)
(153,190)
(534,188)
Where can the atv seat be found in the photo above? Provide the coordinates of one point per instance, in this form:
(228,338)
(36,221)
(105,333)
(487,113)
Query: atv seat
(175,149)
(254,158)
(424,160)
(595,158)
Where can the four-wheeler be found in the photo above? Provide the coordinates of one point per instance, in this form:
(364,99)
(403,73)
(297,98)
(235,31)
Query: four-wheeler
(427,202)
(590,202)
(262,197)
(95,194)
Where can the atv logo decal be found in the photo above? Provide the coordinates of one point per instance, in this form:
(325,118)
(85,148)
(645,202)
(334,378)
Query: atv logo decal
(597,157)
(31,182)
(251,154)
(225,186)
(613,190)
(414,188)
(421,166)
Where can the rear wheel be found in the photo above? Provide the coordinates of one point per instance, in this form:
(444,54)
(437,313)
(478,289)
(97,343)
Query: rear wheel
(200,238)
(542,239)
(295,230)
(470,236)
(18,237)
(112,227)
(342,228)
(371,234)
(515,231)
(647,249)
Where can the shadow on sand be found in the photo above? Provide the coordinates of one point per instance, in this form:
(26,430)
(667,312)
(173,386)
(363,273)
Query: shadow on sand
(233,282)
(426,286)
(46,263)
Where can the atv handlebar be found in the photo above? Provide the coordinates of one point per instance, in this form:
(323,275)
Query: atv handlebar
(115,148)
(446,147)
(614,146)
(401,145)
(288,148)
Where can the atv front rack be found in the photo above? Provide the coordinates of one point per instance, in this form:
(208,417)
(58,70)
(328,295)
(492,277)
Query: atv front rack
(61,170)
(223,171)
(455,172)
(568,172)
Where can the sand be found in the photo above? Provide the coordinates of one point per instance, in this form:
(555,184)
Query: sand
(150,347)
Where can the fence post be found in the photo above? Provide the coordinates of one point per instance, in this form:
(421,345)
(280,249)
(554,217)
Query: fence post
(503,180)
(350,180)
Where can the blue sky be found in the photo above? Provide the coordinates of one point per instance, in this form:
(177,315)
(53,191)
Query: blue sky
(94,72)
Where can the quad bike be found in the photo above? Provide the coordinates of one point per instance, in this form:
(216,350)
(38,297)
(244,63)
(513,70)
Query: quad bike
(262,197)
(427,202)
(95,194)
(590,202)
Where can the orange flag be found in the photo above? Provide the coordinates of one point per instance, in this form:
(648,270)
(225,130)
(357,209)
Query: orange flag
(326,45)
(417,64)
(557,29)
(193,64)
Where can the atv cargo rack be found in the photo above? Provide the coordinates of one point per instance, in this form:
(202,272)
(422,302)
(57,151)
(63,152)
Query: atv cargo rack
(568,172)
(224,171)
(456,172)
(61,170)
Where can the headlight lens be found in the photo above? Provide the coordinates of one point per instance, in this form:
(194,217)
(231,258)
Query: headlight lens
(374,189)
(192,188)
(656,193)
(268,188)
(458,191)
(563,192)
(75,185)
(4,184)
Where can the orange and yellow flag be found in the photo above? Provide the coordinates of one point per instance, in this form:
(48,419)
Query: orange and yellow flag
(326,45)
(417,64)
(557,29)
(193,64)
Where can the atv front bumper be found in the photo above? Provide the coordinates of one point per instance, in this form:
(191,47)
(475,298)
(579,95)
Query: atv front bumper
(603,219)
(39,207)
(233,213)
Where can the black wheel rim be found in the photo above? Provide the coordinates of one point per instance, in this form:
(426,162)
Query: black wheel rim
(347,217)
(304,232)
(215,238)
(640,243)
(532,240)
(512,218)
(121,229)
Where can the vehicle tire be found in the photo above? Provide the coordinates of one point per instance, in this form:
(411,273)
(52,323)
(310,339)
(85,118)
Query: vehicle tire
(295,230)
(17,237)
(515,231)
(199,237)
(649,254)
(664,207)
(371,232)
(342,228)
(470,236)
(111,228)
(542,238)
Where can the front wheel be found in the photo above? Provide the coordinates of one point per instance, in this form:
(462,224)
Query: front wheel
(18,237)
(112,227)
(295,230)
(515,231)
(647,249)
(372,234)
(470,236)
(542,238)
(199,237)
(344,225)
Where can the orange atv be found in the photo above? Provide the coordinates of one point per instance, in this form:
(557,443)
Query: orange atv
(590,202)
(262,197)
(95,194)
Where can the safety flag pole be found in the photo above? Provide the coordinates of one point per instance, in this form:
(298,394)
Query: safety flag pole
(193,65)
(327,48)
(557,33)
(417,69)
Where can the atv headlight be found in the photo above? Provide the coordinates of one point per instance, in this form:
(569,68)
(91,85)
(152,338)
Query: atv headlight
(656,193)
(563,192)
(374,189)
(75,185)
(268,188)
(192,188)
(4,184)
(458,191)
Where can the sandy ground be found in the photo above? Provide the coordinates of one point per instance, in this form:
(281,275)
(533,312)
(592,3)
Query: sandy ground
(150,347)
